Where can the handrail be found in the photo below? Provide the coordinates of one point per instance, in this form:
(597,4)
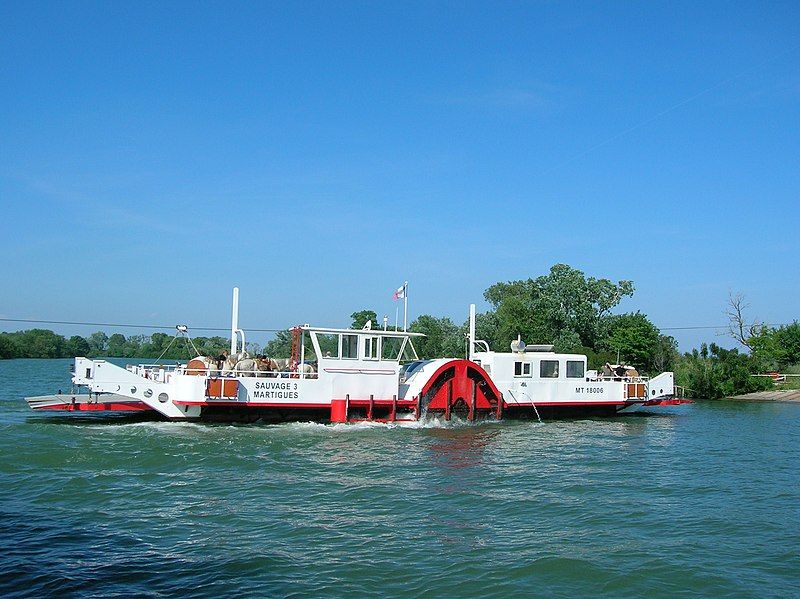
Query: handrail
(619,379)
(155,369)
(484,343)
(775,374)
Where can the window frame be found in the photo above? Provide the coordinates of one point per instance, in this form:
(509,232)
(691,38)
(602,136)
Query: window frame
(373,341)
(342,346)
(583,369)
(557,374)
(525,370)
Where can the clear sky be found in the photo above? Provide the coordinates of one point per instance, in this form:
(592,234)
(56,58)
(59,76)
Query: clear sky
(152,155)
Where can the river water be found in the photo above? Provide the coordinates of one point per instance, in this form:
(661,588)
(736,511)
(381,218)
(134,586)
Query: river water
(699,499)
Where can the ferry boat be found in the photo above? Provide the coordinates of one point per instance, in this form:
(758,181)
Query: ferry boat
(349,375)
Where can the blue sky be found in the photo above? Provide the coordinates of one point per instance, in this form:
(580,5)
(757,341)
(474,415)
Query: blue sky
(317,155)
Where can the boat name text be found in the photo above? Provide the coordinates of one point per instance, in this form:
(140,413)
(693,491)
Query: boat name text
(275,390)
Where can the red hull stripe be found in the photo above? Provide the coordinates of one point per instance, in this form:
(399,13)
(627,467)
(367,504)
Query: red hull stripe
(359,370)
(565,403)
(251,404)
(386,403)
(133,406)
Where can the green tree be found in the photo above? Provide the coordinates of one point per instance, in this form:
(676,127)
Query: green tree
(443,337)
(666,354)
(281,346)
(487,326)
(116,345)
(635,337)
(714,372)
(8,346)
(212,346)
(133,347)
(77,346)
(560,307)
(98,343)
(360,318)
(776,348)
(42,343)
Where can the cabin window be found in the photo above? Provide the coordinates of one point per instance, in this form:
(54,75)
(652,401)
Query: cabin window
(328,345)
(522,369)
(575,369)
(350,347)
(371,348)
(390,348)
(548,369)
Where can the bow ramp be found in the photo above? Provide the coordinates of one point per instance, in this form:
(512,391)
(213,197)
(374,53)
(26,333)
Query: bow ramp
(153,387)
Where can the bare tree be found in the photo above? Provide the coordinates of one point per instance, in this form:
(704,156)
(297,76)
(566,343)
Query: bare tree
(738,325)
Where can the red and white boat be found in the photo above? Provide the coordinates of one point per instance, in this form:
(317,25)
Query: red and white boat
(348,375)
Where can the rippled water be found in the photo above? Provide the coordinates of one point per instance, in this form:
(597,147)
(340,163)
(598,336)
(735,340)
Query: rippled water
(701,499)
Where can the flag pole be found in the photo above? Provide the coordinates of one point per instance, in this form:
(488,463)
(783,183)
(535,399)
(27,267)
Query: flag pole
(396,316)
(405,306)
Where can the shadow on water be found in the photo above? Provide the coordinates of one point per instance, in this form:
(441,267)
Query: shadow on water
(452,433)
(626,415)
(95,419)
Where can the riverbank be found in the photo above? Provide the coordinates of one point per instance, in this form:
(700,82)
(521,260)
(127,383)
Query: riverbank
(789,395)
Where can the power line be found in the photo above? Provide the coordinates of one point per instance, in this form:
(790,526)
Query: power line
(166,327)
(725,326)
(694,328)
(125,325)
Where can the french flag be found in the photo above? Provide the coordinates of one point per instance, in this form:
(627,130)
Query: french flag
(400,293)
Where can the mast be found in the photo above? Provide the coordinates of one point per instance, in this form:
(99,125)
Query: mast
(234,320)
(471,352)
(405,306)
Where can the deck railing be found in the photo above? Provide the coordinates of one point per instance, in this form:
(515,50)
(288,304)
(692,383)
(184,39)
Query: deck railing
(162,372)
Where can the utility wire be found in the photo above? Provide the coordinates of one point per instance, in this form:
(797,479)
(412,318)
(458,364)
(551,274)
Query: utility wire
(154,326)
(725,326)
(131,326)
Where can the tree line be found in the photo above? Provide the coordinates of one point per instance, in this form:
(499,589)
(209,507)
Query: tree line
(43,343)
(564,308)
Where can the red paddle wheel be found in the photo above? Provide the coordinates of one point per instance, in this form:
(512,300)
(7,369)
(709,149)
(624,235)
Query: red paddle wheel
(463,387)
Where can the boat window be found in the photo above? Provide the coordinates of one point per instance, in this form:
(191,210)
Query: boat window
(575,369)
(371,348)
(328,345)
(548,369)
(522,369)
(391,347)
(350,346)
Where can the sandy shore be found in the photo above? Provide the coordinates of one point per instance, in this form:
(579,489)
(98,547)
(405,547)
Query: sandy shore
(790,395)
